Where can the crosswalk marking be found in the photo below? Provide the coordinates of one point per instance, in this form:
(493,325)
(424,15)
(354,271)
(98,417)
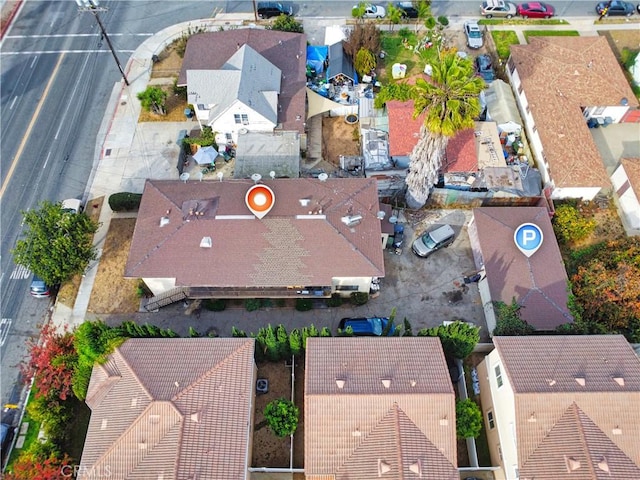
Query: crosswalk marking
(5,326)
(20,272)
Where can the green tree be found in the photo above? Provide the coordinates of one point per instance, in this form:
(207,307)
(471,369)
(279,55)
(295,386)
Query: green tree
(57,245)
(153,99)
(570,224)
(193,333)
(408,330)
(365,62)
(310,331)
(325,332)
(235,332)
(358,11)
(271,344)
(283,341)
(363,35)
(450,103)
(286,23)
(508,320)
(468,419)
(282,417)
(295,342)
(394,15)
(458,338)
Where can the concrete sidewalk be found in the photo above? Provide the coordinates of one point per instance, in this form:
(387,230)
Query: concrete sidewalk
(129,152)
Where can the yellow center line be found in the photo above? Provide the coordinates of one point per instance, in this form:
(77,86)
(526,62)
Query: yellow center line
(30,127)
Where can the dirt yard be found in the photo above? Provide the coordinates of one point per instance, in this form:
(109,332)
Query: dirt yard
(269,450)
(339,138)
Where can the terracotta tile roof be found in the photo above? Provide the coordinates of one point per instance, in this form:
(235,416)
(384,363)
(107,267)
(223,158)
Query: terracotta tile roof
(538,283)
(404,130)
(285,50)
(279,250)
(576,390)
(632,169)
(563,74)
(375,403)
(172,409)
(461,152)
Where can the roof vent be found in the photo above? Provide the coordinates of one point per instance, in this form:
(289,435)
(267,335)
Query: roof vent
(164,221)
(380,215)
(340,383)
(616,430)
(619,381)
(305,202)
(416,468)
(532,417)
(412,383)
(323,177)
(104,424)
(195,417)
(603,465)
(572,464)
(581,381)
(256,177)
(551,382)
(134,401)
(272,174)
(356,433)
(205,242)
(176,384)
(383,467)
(142,445)
(444,421)
(220,175)
(386,382)
(351,220)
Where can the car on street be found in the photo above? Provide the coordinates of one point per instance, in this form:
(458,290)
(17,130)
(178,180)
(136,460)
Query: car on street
(273,9)
(372,11)
(366,327)
(473,33)
(536,10)
(432,241)
(71,205)
(408,9)
(616,7)
(38,288)
(484,67)
(498,8)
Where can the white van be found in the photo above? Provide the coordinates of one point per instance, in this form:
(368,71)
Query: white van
(426,244)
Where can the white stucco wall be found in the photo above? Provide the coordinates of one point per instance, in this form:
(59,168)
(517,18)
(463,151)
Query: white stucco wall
(583,193)
(615,112)
(628,201)
(160,285)
(225,122)
(363,284)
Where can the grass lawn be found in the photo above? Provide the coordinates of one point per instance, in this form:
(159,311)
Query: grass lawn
(550,33)
(398,47)
(503,40)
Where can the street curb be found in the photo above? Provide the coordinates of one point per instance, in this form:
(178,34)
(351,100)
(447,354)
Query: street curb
(7,23)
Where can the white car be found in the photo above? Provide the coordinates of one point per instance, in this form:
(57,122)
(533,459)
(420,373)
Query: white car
(474,34)
(372,11)
(72,205)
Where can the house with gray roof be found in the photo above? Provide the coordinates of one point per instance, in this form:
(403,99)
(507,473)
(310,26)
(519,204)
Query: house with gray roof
(172,409)
(378,408)
(200,239)
(562,407)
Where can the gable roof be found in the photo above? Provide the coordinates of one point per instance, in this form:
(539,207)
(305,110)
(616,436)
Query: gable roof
(292,245)
(404,130)
(172,408)
(575,396)
(340,63)
(285,50)
(395,409)
(563,74)
(539,282)
(247,77)
(632,169)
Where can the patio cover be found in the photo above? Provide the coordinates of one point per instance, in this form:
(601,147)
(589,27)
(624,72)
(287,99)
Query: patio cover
(319,104)
(205,155)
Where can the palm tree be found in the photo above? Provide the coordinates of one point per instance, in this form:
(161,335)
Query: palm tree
(450,104)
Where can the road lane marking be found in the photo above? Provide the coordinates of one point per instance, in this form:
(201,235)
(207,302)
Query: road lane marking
(5,326)
(13,103)
(33,62)
(47,160)
(20,272)
(26,135)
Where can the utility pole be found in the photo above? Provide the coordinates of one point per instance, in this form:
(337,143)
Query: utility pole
(92,6)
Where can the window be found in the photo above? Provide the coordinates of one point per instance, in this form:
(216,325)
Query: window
(490,420)
(347,288)
(241,118)
(512,65)
(535,129)
(598,111)
(528,109)
(498,375)
(228,136)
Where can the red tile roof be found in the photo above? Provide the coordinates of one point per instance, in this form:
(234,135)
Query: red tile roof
(461,153)
(563,74)
(172,409)
(378,403)
(404,131)
(288,247)
(285,50)
(538,283)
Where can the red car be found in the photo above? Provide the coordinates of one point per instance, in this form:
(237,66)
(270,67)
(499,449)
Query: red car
(536,10)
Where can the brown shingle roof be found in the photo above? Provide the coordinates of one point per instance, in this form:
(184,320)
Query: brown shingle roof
(632,169)
(600,374)
(538,283)
(279,250)
(172,407)
(409,421)
(563,74)
(285,50)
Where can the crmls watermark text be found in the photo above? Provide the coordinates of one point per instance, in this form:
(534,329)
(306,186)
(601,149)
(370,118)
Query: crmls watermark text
(78,471)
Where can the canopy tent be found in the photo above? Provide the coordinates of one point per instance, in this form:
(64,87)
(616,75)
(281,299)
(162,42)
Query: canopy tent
(205,155)
(317,57)
(501,104)
(340,64)
(319,104)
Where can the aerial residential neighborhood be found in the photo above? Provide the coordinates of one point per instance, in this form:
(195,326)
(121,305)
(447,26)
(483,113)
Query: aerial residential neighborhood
(323,241)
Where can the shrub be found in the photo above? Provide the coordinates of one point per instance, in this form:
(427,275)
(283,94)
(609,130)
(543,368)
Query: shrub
(153,99)
(442,20)
(125,202)
(295,342)
(570,224)
(285,23)
(236,332)
(304,304)
(214,305)
(193,333)
(430,23)
(359,298)
(365,62)
(468,419)
(508,321)
(334,301)
(252,304)
(282,417)
(458,338)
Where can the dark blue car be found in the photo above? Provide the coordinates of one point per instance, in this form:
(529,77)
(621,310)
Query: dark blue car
(366,327)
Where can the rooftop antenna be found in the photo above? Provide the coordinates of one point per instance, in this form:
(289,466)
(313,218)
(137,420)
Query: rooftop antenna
(272,174)
(256,177)
(184,177)
(323,177)
(220,175)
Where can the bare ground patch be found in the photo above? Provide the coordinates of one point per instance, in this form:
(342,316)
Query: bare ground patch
(339,138)
(111,292)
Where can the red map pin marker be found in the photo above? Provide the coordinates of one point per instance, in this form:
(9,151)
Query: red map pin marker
(259,200)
